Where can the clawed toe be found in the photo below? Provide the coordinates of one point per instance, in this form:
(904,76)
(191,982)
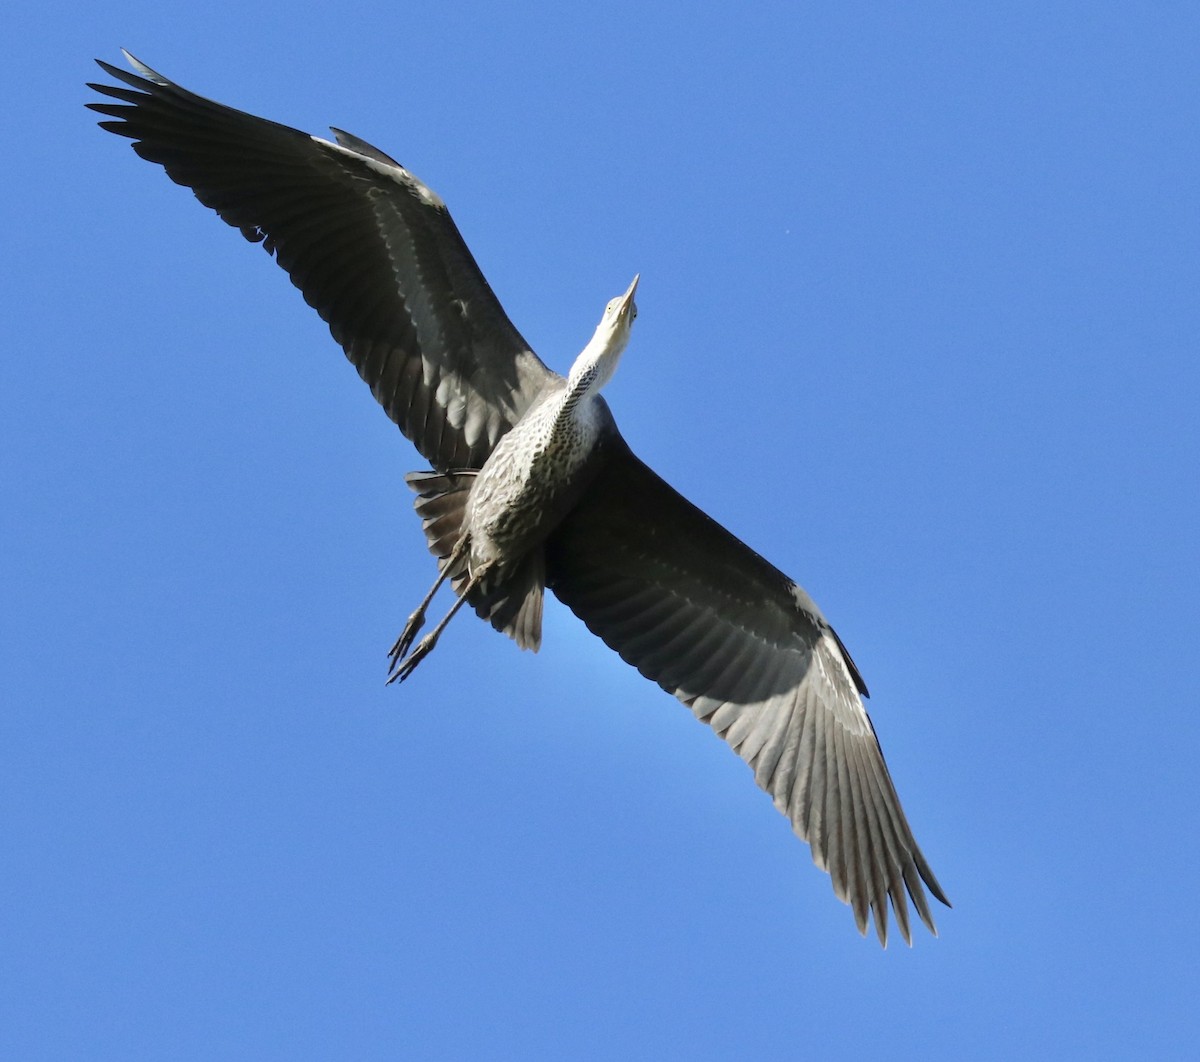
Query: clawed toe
(402,663)
(397,652)
(409,664)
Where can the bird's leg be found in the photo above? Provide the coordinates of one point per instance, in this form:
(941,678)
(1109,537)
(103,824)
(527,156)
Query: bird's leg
(425,645)
(417,620)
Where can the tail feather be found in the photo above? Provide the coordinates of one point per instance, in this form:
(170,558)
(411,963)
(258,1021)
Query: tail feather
(441,504)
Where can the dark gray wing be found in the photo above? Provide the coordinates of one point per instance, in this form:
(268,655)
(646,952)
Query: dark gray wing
(704,616)
(374,251)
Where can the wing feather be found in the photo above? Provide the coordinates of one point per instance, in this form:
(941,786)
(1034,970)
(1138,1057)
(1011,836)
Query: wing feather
(371,248)
(700,613)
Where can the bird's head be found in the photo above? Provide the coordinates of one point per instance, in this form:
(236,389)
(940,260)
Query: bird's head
(619,314)
(595,366)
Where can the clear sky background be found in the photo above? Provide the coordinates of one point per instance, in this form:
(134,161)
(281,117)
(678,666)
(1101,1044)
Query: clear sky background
(919,321)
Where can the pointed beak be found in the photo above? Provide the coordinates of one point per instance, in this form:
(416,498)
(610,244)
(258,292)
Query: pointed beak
(627,299)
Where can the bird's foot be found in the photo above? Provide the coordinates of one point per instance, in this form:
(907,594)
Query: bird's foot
(415,622)
(409,664)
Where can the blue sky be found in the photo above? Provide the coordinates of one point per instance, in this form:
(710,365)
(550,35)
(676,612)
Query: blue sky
(919,321)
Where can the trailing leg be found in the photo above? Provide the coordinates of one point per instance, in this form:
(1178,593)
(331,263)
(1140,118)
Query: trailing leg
(425,646)
(417,620)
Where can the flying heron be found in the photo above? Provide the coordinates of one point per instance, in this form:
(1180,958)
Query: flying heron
(532,485)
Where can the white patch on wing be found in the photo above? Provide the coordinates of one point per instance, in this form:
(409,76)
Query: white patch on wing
(829,660)
(807,604)
(845,703)
(398,174)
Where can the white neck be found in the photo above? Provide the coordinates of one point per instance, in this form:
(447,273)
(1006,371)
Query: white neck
(595,366)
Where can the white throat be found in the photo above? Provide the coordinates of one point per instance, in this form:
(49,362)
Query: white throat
(596,364)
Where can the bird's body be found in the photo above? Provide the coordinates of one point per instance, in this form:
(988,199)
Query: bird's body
(529,482)
(533,487)
(538,470)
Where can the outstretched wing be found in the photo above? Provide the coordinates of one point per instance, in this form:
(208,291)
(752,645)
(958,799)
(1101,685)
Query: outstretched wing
(704,616)
(374,251)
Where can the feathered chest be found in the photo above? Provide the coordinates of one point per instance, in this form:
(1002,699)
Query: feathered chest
(531,480)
